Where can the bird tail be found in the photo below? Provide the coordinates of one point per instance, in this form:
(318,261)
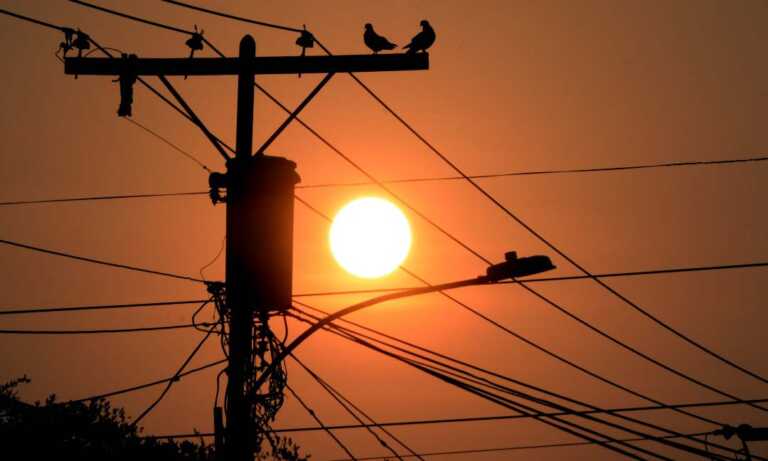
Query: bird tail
(390,46)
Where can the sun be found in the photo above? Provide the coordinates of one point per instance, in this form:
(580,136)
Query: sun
(370,237)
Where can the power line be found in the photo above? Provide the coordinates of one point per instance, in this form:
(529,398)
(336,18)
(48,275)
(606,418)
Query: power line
(513,448)
(672,270)
(46,310)
(561,424)
(236,18)
(493,200)
(102,197)
(99,331)
(383,290)
(322,426)
(474,419)
(150,384)
(548,243)
(467,247)
(166,141)
(554,248)
(517,219)
(346,404)
(98,261)
(547,172)
(32,20)
(178,372)
(485,382)
(534,344)
(134,18)
(443,453)
(441,375)
(365,183)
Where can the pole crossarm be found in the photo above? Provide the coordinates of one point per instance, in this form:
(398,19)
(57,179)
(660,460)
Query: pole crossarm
(264,65)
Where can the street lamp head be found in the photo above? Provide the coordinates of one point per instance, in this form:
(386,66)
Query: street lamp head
(514,267)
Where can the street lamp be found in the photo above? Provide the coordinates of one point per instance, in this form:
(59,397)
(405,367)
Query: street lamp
(512,267)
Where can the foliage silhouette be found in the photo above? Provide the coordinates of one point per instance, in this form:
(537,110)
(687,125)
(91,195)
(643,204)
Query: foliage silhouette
(94,430)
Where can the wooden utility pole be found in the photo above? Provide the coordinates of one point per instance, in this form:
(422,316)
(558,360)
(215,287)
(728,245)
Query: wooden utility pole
(258,190)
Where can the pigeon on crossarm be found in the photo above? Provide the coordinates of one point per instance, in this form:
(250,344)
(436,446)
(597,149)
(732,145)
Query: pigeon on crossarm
(375,41)
(423,39)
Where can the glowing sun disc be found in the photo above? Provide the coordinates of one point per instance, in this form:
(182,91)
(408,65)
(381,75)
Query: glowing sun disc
(370,237)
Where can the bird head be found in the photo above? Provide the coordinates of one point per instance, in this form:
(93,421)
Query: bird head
(368,26)
(424,23)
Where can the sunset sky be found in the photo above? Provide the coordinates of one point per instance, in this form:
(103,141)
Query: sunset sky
(513,86)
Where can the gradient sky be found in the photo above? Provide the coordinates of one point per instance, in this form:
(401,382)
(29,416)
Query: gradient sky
(513,86)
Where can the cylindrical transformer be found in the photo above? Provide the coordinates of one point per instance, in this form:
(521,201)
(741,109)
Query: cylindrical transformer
(260,196)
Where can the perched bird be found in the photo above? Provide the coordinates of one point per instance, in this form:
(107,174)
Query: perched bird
(375,41)
(423,39)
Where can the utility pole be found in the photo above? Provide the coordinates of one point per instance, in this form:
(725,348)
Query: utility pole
(259,192)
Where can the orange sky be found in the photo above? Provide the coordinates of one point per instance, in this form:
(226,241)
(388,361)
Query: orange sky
(513,86)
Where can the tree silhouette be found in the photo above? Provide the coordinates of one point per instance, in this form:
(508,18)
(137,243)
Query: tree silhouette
(94,430)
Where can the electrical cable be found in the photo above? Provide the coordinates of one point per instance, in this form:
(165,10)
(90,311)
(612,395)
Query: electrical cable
(46,310)
(175,378)
(134,18)
(554,248)
(670,270)
(539,347)
(549,244)
(485,382)
(520,407)
(531,230)
(98,261)
(32,20)
(512,448)
(559,308)
(236,18)
(323,426)
(349,406)
(166,141)
(99,331)
(102,197)
(351,184)
(150,384)
(545,172)
(528,228)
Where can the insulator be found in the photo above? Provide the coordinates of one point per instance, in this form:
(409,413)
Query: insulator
(82,42)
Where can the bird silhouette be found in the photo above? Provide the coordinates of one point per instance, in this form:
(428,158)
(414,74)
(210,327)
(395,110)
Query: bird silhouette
(423,39)
(375,41)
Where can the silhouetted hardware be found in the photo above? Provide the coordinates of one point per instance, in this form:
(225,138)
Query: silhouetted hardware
(218,183)
(423,40)
(269,65)
(67,45)
(375,41)
(82,42)
(305,40)
(127,79)
(195,42)
(515,267)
